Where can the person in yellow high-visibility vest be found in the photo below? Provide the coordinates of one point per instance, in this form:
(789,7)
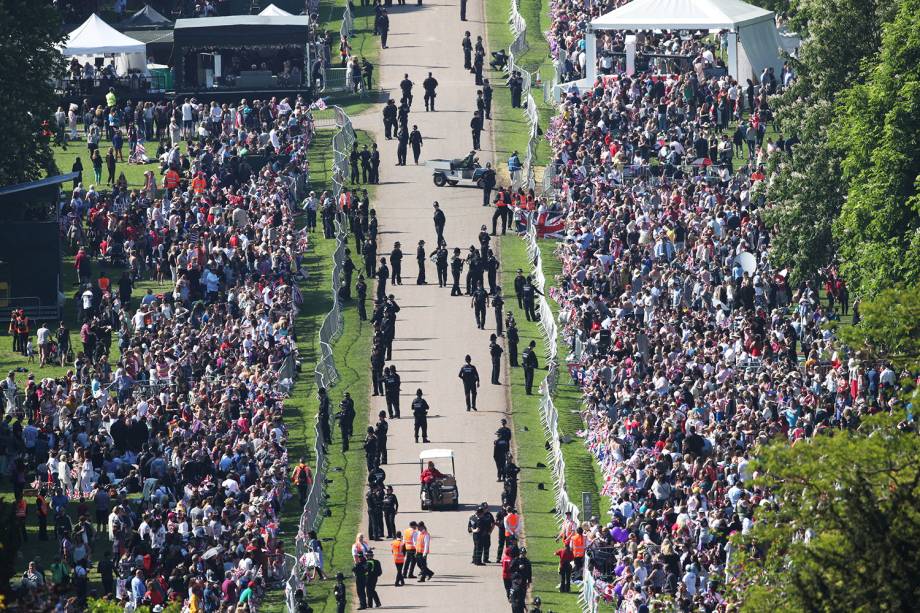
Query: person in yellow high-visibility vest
(409,535)
(399,558)
(422,549)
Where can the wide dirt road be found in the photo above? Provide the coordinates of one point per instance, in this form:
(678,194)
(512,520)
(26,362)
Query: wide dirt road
(434,330)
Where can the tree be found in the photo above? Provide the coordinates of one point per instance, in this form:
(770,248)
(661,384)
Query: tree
(29,59)
(842,530)
(889,328)
(879,226)
(805,193)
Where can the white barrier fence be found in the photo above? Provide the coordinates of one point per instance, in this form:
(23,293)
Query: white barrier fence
(517,49)
(548,413)
(325,373)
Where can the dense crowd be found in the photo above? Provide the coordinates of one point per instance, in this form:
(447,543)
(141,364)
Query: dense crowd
(691,349)
(172,445)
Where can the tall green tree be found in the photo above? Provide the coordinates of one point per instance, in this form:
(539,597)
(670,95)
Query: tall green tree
(842,532)
(889,328)
(879,226)
(805,193)
(29,59)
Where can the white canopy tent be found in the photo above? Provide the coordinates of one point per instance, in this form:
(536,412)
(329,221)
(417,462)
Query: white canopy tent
(273,11)
(96,38)
(753,41)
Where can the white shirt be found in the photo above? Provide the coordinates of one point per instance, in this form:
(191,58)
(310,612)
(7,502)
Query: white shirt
(186,112)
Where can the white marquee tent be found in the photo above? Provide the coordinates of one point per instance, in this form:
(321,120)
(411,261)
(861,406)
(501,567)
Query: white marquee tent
(273,11)
(753,40)
(96,38)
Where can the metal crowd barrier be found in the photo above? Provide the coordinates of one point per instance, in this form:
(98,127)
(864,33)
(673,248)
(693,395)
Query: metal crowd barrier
(325,374)
(517,48)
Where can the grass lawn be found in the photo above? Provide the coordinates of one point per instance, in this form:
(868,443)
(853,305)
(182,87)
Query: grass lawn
(510,125)
(540,523)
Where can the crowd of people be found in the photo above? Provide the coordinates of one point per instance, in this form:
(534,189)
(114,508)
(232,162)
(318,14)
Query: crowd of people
(162,463)
(691,349)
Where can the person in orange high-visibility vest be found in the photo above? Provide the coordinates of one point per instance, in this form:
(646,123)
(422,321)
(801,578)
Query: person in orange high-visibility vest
(409,542)
(171,180)
(422,548)
(399,558)
(42,509)
(21,516)
(512,525)
(578,543)
(199,183)
(303,479)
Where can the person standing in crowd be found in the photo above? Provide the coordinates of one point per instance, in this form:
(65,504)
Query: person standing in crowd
(495,352)
(500,448)
(380,432)
(488,184)
(390,509)
(420,259)
(467,45)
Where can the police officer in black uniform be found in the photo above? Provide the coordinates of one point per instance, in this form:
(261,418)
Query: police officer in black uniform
(497,303)
(402,149)
(500,448)
(323,416)
(456,269)
(360,572)
(430,85)
(440,265)
(396,256)
(420,413)
(377,362)
(374,570)
(519,282)
(529,361)
(380,431)
(472,527)
(470,377)
(390,509)
(349,268)
(495,351)
(487,93)
(513,340)
(346,419)
(473,267)
(406,87)
(371,453)
(353,158)
(369,252)
(365,164)
(439,221)
(415,141)
(361,290)
(420,258)
(491,266)
(488,184)
(383,273)
(476,129)
(479,301)
(484,239)
(530,292)
(486,526)
(389,118)
(391,385)
(467,46)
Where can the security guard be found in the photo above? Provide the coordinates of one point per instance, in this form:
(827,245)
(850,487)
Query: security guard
(380,431)
(479,301)
(374,499)
(399,558)
(323,416)
(346,419)
(440,264)
(486,525)
(497,303)
(456,269)
(470,377)
(495,351)
(473,270)
(377,361)
(420,258)
(396,256)
(467,45)
(519,282)
(472,527)
(420,413)
(500,454)
(529,360)
(530,291)
(302,478)
(361,289)
(491,266)
(383,273)
(409,543)
(391,386)
(513,340)
(390,509)
(430,85)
